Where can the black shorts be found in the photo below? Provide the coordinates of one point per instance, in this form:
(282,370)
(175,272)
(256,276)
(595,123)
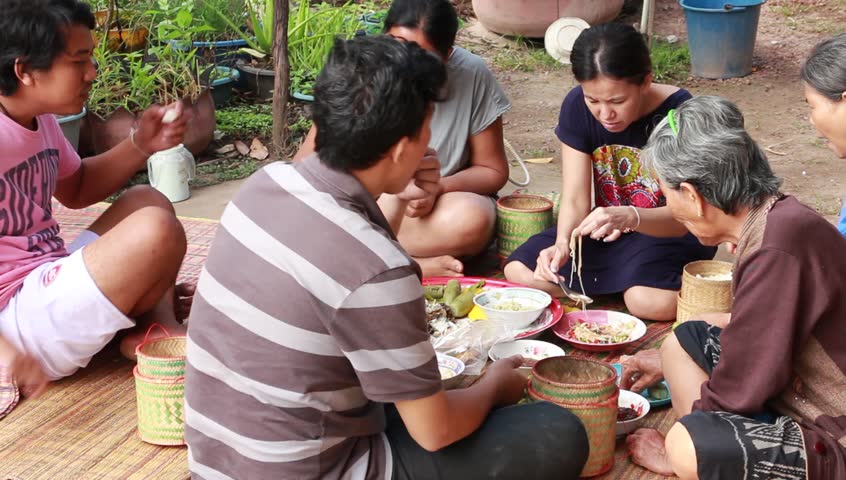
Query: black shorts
(733,446)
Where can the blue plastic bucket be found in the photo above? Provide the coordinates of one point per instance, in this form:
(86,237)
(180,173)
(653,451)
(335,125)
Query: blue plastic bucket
(221,87)
(721,36)
(71,125)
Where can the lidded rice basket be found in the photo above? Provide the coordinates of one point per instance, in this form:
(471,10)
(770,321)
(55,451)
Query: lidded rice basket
(519,217)
(588,388)
(160,390)
(706,288)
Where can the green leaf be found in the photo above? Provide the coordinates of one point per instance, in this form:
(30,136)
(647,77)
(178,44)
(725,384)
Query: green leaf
(184,18)
(253,52)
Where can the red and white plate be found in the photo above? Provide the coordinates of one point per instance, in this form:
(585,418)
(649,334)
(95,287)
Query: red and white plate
(547,318)
(562,329)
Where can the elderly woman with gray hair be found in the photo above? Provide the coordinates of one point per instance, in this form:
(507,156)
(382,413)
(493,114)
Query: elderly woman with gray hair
(765,396)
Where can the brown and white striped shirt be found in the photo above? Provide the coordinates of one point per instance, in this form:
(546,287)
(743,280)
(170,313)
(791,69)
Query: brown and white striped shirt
(308,317)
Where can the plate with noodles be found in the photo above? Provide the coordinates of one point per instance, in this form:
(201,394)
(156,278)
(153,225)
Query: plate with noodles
(548,318)
(600,330)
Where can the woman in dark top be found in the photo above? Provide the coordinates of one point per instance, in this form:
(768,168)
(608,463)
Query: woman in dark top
(633,245)
(762,397)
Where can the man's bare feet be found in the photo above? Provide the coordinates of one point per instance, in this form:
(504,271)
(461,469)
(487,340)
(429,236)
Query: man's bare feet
(443,266)
(646,448)
(183,299)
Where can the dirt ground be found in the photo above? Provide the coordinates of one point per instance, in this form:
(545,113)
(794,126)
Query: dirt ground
(771,97)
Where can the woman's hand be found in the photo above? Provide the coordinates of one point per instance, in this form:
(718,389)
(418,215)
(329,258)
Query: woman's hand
(642,370)
(161,128)
(550,260)
(607,223)
(424,188)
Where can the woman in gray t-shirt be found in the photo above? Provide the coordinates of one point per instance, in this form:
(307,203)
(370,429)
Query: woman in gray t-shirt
(454,217)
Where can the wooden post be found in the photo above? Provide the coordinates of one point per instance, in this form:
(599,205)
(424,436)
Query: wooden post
(281,80)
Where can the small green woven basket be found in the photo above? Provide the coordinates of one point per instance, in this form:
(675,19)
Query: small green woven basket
(160,409)
(587,388)
(162,357)
(519,217)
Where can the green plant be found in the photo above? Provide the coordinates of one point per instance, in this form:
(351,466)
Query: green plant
(224,170)
(524,57)
(245,120)
(670,61)
(300,127)
(206,11)
(165,73)
(312,30)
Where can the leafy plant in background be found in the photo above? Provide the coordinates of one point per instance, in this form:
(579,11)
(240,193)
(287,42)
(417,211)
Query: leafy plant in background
(245,121)
(670,61)
(260,18)
(311,33)
(206,11)
(165,73)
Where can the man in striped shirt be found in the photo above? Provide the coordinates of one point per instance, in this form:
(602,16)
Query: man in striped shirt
(309,317)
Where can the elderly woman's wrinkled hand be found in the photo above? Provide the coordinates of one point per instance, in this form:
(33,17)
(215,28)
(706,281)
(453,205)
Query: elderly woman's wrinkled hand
(642,370)
(607,223)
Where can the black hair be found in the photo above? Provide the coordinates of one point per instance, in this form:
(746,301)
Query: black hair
(436,18)
(34,31)
(372,92)
(825,69)
(613,50)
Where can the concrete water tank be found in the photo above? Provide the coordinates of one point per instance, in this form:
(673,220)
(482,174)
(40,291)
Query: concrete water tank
(530,18)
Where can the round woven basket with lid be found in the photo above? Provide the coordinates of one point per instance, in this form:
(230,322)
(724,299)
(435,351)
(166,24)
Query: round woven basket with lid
(518,217)
(701,292)
(588,388)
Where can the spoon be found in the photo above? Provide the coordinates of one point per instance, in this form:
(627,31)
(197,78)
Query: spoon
(575,296)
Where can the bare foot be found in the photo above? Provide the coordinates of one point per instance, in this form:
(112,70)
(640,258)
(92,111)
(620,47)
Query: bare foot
(183,299)
(646,448)
(443,266)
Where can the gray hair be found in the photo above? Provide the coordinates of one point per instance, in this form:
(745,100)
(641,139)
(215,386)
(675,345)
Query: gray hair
(825,69)
(713,152)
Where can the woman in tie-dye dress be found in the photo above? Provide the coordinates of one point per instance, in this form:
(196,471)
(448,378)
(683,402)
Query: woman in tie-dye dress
(631,243)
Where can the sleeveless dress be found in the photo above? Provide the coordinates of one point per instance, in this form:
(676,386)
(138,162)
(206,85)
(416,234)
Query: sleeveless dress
(634,259)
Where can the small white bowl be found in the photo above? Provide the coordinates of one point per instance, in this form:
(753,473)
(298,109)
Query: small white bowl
(451,369)
(531,350)
(531,301)
(631,400)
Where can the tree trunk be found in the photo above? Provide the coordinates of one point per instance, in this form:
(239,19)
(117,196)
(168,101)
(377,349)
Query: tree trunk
(281,70)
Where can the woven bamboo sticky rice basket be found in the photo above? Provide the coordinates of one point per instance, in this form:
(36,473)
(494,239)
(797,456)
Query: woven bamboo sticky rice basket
(162,357)
(703,293)
(518,217)
(160,390)
(686,311)
(554,197)
(588,388)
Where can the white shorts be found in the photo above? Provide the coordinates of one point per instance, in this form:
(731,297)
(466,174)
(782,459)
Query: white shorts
(60,316)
